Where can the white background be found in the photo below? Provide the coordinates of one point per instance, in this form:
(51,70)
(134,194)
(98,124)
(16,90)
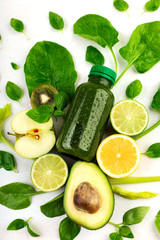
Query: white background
(15,47)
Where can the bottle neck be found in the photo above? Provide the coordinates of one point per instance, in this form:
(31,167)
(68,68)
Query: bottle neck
(100,80)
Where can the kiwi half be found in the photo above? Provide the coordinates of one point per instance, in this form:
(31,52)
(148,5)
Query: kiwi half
(44,94)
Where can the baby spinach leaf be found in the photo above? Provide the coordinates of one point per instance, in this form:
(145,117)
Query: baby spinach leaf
(5,112)
(7,160)
(61,100)
(156,100)
(58,113)
(94,56)
(152,5)
(125,231)
(13,91)
(50,63)
(68,230)
(56,21)
(157,221)
(0,37)
(41,114)
(135,215)
(54,207)
(134,89)
(14,66)
(16,224)
(17,24)
(153,151)
(115,236)
(33,234)
(120,5)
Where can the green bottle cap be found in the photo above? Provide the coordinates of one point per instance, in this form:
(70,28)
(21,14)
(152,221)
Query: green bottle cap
(104,72)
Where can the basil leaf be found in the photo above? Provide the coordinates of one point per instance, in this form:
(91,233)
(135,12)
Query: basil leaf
(120,5)
(157,221)
(153,151)
(17,24)
(50,63)
(96,28)
(115,236)
(14,66)
(61,100)
(5,112)
(68,230)
(125,231)
(41,114)
(56,21)
(58,113)
(135,215)
(33,234)
(152,5)
(13,91)
(134,89)
(16,224)
(156,100)
(94,56)
(7,160)
(54,207)
(143,48)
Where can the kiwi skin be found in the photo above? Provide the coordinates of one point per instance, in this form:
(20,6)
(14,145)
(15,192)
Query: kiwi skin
(44,94)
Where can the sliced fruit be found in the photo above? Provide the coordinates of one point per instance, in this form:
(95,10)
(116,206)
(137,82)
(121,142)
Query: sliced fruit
(118,156)
(88,197)
(49,172)
(129,117)
(44,94)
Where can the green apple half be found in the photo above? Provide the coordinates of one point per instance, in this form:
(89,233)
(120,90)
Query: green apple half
(34,139)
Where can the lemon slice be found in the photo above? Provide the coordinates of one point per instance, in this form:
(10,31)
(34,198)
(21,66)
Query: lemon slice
(129,117)
(49,172)
(118,156)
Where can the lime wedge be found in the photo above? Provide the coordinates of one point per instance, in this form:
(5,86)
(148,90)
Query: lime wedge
(49,172)
(129,117)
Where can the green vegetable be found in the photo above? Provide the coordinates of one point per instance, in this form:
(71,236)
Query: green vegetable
(156,100)
(94,56)
(135,215)
(130,180)
(98,29)
(120,5)
(153,151)
(7,161)
(0,37)
(58,113)
(54,207)
(157,221)
(152,5)
(134,89)
(50,63)
(41,114)
(147,131)
(14,66)
(17,25)
(115,236)
(61,100)
(56,21)
(125,231)
(13,91)
(33,234)
(68,230)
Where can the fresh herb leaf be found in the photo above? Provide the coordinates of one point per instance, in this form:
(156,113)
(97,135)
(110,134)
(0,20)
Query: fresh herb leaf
(125,231)
(41,114)
(13,91)
(17,25)
(33,234)
(61,100)
(94,56)
(134,89)
(7,161)
(54,207)
(58,113)
(120,5)
(115,236)
(135,215)
(14,66)
(68,230)
(152,5)
(156,100)
(16,224)
(153,151)
(0,37)
(56,21)
(157,221)
(50,63)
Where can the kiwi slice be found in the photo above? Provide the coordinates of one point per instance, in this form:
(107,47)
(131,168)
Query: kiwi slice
(44,94)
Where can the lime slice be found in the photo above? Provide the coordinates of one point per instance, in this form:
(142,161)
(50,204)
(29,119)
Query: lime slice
(49,172)
(129,117)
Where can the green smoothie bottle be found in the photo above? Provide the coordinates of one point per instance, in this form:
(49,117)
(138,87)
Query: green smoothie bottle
(88,115)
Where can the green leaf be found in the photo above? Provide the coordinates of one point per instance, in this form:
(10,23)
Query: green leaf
(7,160)
(17,24)
(33,234)
(156,100)
(54,207)
(61,100)
(157,221)
(68,230)
(13,91)
(125,231)
(58,113)
(16,224)
(94,56)
(134,89)
(96,28)
(0,37)
(153,151)
(5,112)
(56,21)
(135,215)
(14,66)
(152,5)
(50,63)
(143,48)
(115,236)
(120,5)
(41,114)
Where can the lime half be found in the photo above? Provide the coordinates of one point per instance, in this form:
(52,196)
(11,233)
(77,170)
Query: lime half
(129,117)
(49,172)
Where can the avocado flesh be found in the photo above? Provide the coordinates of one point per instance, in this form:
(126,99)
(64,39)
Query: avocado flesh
(88,197)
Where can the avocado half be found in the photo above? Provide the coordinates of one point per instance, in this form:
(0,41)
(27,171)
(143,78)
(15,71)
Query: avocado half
(88,197)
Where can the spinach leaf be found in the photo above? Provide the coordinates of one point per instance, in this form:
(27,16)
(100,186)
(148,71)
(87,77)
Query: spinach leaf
(156,100)
(54,207)
(125,231)
(94,56)
(68,230)
(7,161)
(0,37)
(14,66)
(120,5)
(61,100)
(115,236)
(16,224)
(152,5)
(58,113)
(16,195)
(33,234)
(157,221)
(56,21)
(134,89)
(41,114)
(17,25)
(135,215)
(50,63)
(153,151)
(13,91)
(5,112)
